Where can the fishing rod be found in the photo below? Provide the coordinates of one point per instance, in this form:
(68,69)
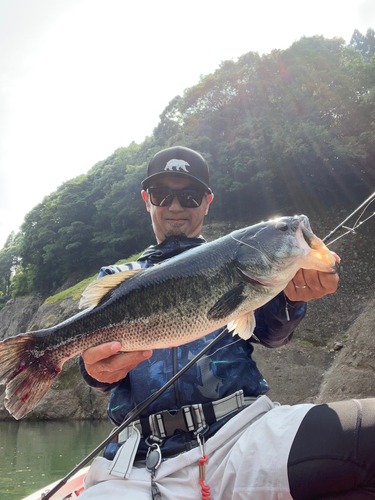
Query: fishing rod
(365,204)
(131,418)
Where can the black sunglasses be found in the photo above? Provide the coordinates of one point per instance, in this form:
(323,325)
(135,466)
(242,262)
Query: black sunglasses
(162,196)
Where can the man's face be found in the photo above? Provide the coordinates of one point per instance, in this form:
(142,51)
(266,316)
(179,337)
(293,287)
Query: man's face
(176,220)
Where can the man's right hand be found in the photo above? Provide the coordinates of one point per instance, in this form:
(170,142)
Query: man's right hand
(105,364)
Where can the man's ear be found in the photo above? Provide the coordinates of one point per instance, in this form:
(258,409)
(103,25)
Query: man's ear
(209,199)
(145,199)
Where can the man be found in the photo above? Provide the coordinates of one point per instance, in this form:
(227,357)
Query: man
(255,448)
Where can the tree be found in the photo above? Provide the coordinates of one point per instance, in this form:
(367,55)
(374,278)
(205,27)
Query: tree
(364,43)
(286,132)
(9,260)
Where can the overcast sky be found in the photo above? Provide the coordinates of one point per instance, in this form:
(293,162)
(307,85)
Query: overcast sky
(81,78)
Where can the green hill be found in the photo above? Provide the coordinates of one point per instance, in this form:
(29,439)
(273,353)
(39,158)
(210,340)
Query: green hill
(286,132)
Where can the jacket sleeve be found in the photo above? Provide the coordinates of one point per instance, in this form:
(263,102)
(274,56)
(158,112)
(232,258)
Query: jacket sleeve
(277,320)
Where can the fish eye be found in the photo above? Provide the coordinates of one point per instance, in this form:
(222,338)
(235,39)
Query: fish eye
(282,226)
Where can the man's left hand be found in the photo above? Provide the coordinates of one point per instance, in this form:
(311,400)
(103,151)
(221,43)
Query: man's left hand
(308,284)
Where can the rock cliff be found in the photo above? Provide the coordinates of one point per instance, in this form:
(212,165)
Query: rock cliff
(331,356)
(69,396)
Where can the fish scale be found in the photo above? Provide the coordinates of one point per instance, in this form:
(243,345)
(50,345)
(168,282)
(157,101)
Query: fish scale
(173,303)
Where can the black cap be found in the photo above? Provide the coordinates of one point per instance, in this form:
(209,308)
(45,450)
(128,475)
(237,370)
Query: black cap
(178,161)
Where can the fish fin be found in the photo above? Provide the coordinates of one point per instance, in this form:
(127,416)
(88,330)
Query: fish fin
(27,376)
(243,326)
(228,303)
(99,288)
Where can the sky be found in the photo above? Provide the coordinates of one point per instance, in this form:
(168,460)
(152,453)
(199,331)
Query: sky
(81,78)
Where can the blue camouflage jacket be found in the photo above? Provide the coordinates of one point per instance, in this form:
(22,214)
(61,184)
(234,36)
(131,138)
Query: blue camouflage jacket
(227,369)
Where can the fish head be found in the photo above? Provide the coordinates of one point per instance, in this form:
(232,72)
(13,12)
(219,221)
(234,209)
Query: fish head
(271,252)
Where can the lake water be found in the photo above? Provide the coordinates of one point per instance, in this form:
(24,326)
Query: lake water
(34,454)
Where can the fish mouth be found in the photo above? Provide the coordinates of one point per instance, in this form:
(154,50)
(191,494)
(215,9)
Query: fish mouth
(324,259)
(308,236)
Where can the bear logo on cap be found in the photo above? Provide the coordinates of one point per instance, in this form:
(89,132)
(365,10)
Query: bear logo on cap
(177,165)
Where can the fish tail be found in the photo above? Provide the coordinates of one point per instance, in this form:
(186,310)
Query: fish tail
(26,371)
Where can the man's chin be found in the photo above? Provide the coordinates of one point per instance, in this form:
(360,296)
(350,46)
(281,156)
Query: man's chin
(176,232)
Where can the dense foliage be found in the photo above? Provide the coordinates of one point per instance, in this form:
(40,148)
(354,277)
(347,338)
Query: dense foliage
(291,131)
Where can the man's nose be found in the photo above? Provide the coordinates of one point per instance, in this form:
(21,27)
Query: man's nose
(175,205)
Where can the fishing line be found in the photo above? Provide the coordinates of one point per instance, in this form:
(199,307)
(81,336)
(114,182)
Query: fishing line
(262,252)
(365,204)
(355,225)
(243,243)
(204,357)
(363,211)
(220,348)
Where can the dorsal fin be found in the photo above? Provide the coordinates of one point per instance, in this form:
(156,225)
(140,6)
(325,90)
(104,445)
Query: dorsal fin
(96,290)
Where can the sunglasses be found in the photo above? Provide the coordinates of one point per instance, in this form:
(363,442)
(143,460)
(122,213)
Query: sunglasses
(163,196)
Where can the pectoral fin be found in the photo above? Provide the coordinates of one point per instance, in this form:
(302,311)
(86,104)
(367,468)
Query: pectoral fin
(94,293)
(243,326)
(228,303)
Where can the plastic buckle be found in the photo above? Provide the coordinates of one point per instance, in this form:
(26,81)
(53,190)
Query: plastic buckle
(170,421)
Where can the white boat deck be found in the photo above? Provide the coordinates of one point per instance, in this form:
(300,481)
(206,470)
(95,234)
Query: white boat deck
(67,491)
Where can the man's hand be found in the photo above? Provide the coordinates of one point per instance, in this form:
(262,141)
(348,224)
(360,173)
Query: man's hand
(105,364)
(308,284)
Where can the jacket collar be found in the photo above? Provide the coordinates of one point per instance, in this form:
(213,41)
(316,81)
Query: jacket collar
(168,248)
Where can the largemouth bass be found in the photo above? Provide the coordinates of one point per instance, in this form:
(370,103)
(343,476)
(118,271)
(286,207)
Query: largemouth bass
(173,303)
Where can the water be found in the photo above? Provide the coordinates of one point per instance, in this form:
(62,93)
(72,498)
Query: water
(34,454)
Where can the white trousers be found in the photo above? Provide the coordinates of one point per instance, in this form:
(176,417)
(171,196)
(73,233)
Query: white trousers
(247,459)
